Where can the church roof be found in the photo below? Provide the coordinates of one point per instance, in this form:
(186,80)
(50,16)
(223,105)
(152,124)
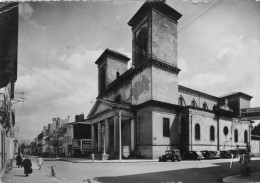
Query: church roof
(113,53)
(236,94)
(159,6)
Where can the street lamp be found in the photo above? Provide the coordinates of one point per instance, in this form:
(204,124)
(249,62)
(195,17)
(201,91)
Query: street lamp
(120,153)
(104,150)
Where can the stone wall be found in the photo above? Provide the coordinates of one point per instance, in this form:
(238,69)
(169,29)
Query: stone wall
(114,66)
(226,142)
(205,121)
(141,87)
(160,143)
(144,132)
(164,86)
(255,147)
(164,38)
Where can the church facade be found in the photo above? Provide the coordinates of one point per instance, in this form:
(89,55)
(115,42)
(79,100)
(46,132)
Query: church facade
(155,113)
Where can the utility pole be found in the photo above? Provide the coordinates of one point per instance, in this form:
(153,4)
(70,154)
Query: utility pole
(120,148)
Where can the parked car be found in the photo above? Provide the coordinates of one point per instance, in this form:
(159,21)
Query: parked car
(192,155)
(172,155)
(237,152)
(234,153)
(225,154)
(216,154)
(207,154)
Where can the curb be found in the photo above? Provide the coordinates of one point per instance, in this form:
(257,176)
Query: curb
(243,179)
(108,161)
(101,161)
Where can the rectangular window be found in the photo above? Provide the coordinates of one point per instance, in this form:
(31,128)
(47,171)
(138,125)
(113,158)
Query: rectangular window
(166,127)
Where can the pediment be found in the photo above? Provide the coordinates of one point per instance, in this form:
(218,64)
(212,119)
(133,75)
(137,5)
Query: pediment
(97,108)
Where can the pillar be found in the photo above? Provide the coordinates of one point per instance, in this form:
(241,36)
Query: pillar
(116,133)
(99,137)
(107,135)
(190,131)
(218,140)
(93,137)
(132,134)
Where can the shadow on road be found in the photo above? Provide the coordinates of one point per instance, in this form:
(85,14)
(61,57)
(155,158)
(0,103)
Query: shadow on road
(207,174)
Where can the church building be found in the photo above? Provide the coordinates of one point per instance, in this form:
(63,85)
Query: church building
(146,109)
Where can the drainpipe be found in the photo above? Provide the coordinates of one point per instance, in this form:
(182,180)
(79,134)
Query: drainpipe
(191,132)
(217,133)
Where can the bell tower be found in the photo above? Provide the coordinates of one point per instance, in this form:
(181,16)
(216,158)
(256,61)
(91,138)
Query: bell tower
(154,34)
(154,49)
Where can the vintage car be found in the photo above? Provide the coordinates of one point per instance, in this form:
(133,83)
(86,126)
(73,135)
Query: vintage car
(207,154)
(225,154)
(216,154)
(172,155)
(234,153)
(237,152)
(192,155)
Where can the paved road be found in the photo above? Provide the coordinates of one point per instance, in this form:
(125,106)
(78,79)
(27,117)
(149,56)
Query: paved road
(146,172)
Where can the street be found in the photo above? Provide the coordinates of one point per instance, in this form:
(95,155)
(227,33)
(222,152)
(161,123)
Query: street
(184,171)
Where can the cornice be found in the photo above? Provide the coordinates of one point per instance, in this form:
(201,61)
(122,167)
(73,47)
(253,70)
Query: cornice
(164,66)
(195,92)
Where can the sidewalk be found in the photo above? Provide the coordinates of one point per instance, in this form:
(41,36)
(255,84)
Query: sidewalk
(16,175)
(254,177)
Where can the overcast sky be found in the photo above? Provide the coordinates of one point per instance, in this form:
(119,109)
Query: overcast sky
(218,53)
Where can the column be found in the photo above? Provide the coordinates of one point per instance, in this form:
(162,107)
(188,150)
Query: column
(116,133)
(99,137)
(93,137)
(190,132)
(107,135)
(218,140)
(132,134)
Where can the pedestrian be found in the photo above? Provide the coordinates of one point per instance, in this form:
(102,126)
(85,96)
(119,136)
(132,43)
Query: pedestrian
(93,157)
(40,162)
(23,158)
(27,165)
(19,160)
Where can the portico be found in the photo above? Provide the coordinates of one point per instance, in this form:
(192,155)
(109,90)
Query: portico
(109,115)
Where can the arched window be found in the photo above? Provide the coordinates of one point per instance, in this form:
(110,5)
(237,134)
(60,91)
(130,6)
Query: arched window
(205,106)
(245,136)
(212,133)
(142,45)
(181,101)
(193,103)
(236,135)
(197,132)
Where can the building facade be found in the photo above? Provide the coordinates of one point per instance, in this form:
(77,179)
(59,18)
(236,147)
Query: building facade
(8,77)
(146,109)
